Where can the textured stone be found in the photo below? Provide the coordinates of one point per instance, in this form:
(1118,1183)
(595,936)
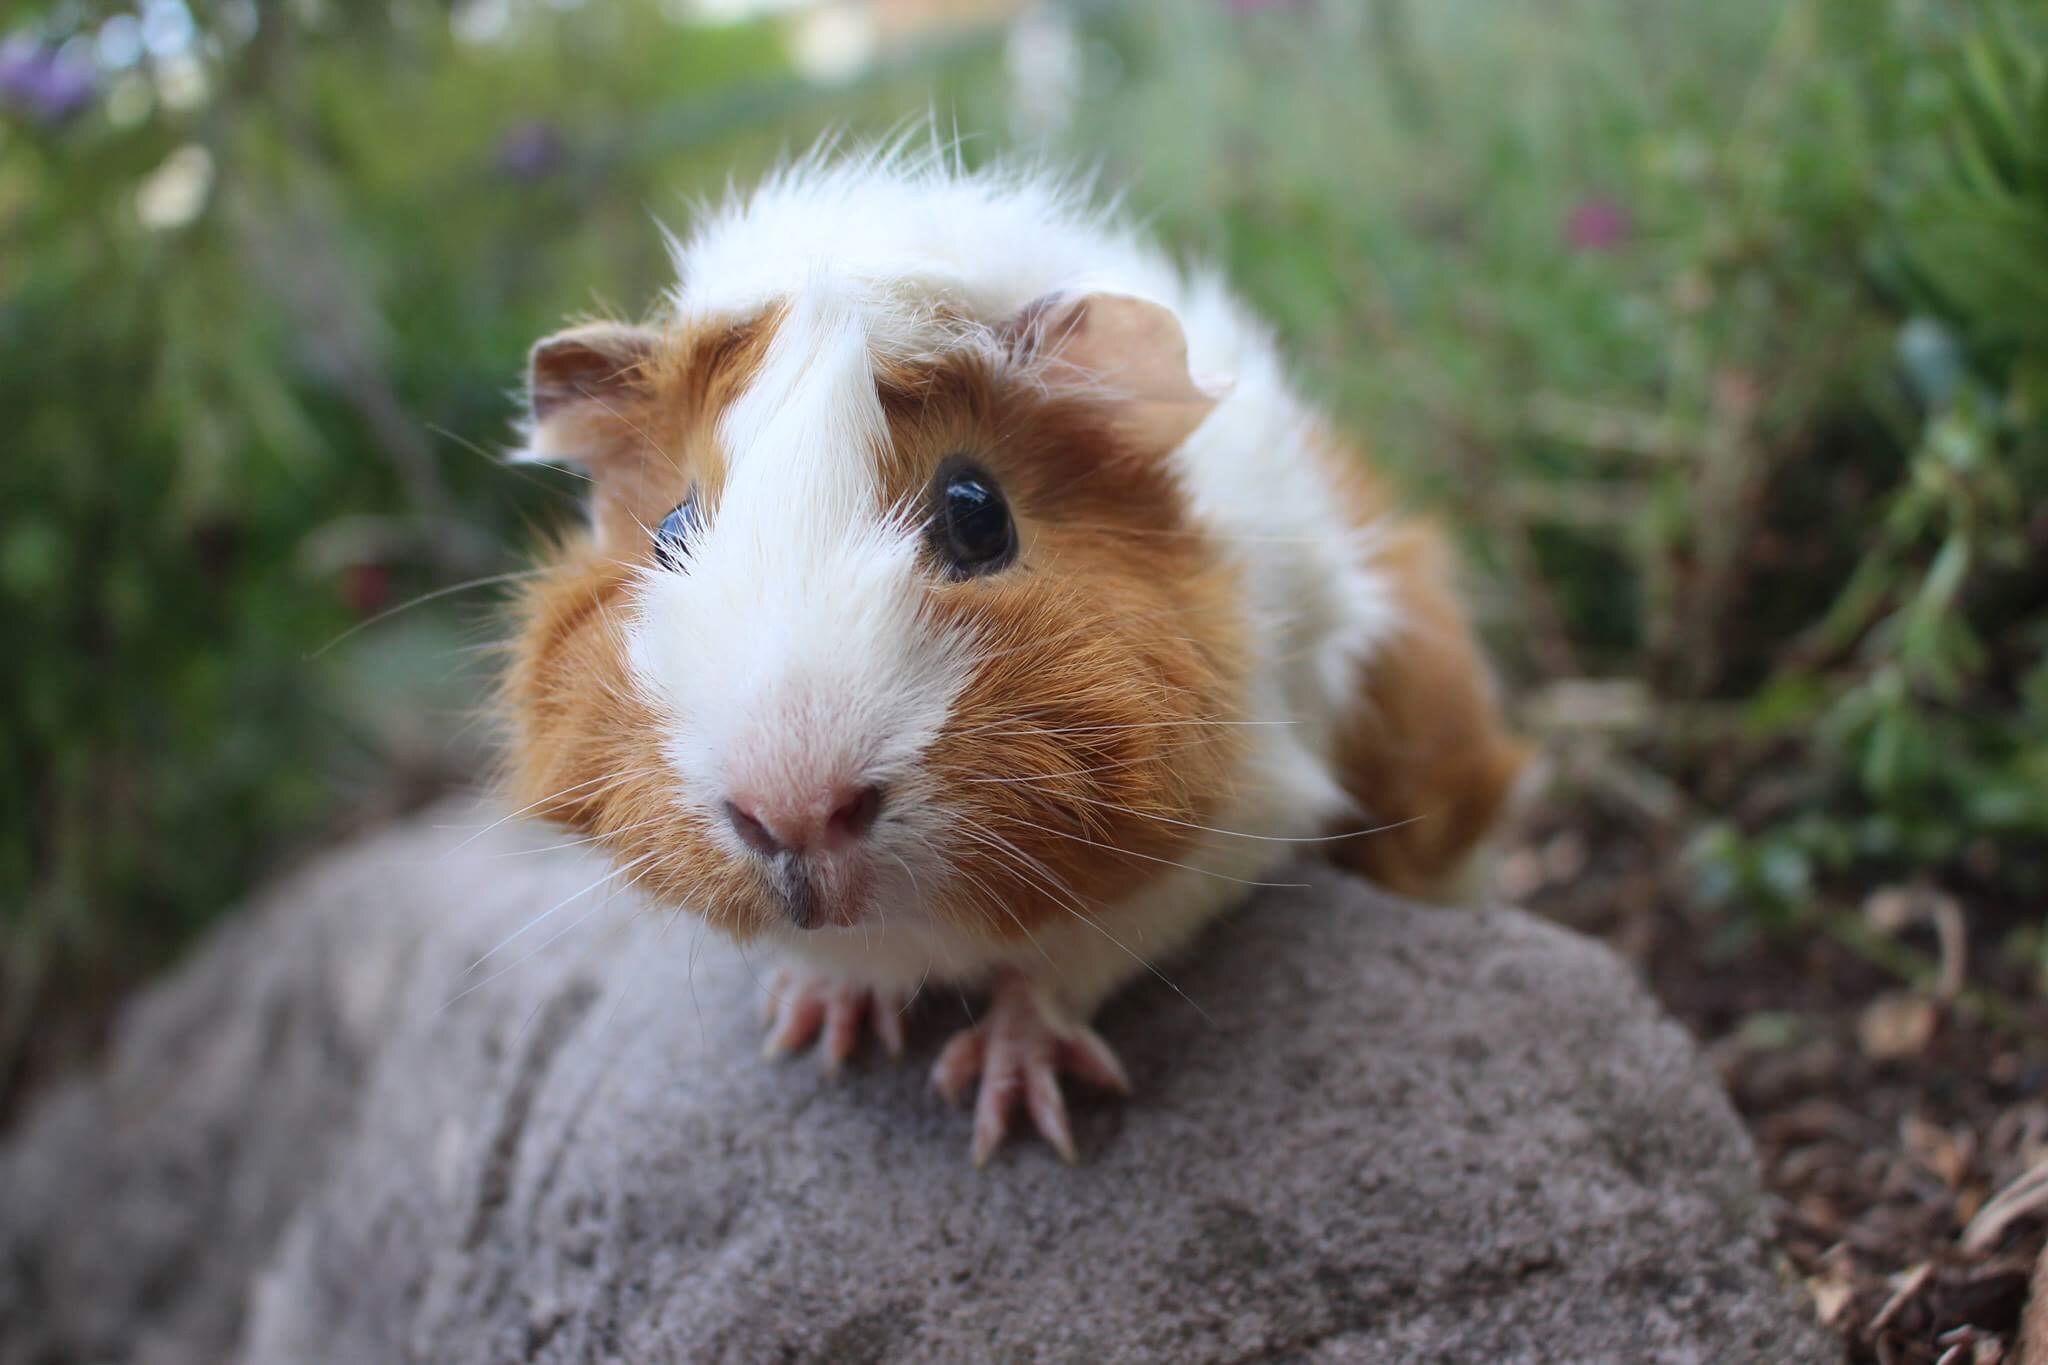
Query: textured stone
(1362,1130)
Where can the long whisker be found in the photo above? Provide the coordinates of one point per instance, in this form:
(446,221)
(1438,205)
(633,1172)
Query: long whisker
(1004,906)
(532,805)
(421,600)
(516,933)
(1238,833)
(1170,984)
(1168,862)
(1061,731)
(588,949)
(536,951)
(579,843)
(1053,778)
(500,462)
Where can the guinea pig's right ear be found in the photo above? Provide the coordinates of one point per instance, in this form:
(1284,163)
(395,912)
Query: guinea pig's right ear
(1129,349)
(578,384)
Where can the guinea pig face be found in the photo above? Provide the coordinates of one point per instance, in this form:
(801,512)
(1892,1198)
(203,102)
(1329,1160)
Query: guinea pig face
(863,637)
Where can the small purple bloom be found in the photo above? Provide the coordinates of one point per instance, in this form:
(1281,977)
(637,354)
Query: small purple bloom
(530,151)
(37,80)
(1597,223)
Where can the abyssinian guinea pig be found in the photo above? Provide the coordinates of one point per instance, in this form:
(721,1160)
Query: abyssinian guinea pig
(969,601)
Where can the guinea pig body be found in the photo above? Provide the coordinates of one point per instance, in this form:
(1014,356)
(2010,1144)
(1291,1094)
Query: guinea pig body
(969,601)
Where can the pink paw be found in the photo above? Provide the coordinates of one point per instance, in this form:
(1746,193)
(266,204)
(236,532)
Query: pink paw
(798,1008)
(1019,1054)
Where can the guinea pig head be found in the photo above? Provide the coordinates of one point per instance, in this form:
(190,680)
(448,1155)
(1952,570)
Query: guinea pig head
(866,632)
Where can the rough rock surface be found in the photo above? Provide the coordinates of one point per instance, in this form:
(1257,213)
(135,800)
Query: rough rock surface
(1386,1133)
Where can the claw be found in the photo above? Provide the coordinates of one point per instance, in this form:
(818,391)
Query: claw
(992,1115)
(1049,1109)
(887,1015)
(799,1009)
(1085,1054)
(1018,1053)
(796,1023)
(959,1063)
(843,1011)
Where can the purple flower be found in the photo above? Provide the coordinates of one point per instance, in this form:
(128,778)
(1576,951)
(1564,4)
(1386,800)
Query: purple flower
(533,150)
(37,80)
(1597,223)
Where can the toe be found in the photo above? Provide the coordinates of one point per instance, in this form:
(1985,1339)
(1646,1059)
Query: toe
(1084,1054)
(888,1017)
(1048,1108)
(958,1064)
(1000,1085)
(843,1011)
(796,1023)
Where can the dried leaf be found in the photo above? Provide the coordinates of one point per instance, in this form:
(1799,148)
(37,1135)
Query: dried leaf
(1896,1025)
(1890,909)
(1895,909)
(1830,1297)
(1948,1154)
(1905,1287)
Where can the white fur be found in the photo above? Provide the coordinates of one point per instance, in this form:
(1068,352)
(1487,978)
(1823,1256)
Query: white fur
(862,249)
(788,651)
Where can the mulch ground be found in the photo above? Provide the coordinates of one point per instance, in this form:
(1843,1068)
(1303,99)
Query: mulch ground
(1902,1130)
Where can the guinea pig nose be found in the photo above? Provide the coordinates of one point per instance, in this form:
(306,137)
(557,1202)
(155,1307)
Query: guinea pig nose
(855,814)
(753,833)
(832,820)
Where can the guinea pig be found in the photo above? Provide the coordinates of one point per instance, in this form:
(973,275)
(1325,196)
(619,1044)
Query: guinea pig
(968,600)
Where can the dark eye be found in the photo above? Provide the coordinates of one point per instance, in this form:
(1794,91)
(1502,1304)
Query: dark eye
(971,529)
(672,537)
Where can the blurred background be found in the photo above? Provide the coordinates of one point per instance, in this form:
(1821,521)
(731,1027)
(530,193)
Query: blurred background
(1719,334)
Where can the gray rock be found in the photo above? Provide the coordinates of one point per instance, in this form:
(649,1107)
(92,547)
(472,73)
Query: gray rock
(1363,1130)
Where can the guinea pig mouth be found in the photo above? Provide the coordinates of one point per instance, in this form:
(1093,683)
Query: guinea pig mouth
(814,898)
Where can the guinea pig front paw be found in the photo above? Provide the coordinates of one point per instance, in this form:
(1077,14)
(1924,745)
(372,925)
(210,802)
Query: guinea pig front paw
(1019,1052)
(798,1007)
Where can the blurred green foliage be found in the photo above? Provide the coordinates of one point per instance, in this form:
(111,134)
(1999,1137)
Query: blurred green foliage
(266,289)
(1720,331)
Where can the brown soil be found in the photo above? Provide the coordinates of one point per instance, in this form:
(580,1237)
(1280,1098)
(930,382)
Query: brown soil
(1885,1116)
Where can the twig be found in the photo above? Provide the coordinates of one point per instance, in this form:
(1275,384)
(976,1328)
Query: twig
(1918,970)
(2026,1195)
(1915,1280)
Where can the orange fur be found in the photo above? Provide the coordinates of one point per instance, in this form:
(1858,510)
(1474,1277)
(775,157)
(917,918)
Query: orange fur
(1085,742)
(1090,740)
(1083,747)
(585,749)
(1426,750)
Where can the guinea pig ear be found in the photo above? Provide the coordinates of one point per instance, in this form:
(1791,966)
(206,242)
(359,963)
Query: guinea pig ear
(1131,350)
(576,381)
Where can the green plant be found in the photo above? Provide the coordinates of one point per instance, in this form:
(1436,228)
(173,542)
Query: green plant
(267,277)
(1716,329)
(1925,686)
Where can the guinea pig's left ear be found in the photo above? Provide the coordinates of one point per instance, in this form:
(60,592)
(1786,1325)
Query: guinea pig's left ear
(1132,351)
(577,382)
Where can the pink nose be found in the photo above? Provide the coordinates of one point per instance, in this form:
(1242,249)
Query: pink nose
(831,821)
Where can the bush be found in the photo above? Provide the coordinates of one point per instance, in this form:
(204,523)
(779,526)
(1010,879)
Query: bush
(1718,329)
(268,280)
